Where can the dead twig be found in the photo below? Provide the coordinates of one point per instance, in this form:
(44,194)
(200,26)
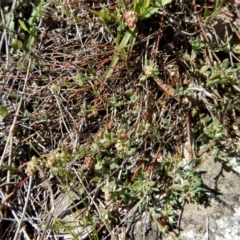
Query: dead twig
(24,209)
(167,88)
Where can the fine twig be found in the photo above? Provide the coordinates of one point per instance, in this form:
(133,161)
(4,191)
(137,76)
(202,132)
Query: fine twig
(8,144)
(24,209)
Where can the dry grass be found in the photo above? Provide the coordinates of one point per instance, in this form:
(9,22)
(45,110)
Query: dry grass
(94,139)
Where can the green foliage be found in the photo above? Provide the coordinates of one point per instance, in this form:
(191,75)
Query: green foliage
(150,70)
(146,8)
(126,38)
(107,164)
(213,133)
(3,111)
(83,78)
(224,74)
(197,47)
(182,91)
(29,26)
(56,161)
(179,184)
(104,156)
(216,11)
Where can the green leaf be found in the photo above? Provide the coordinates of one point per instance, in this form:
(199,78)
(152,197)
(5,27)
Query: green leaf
(218,4)
(126,38)
(140,207)
(216,152)
(133,38)
(32,36)
(123,4)
(170,212)
(236,48)
(193,55)
(114,166)
(225,63)
(12,168)
(19,44)
(206,121)
(23,26)
(103,15)
(121,46)
(217,10)
(136,6)
(151,183)
(205,147)
(203,69)
(3,111)
(151,10)
(111,66)
(206,13)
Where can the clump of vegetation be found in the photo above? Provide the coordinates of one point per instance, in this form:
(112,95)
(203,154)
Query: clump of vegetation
(99,101)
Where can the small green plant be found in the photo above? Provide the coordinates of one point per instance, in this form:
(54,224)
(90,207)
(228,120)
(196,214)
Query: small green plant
(183,91)
(3,111)
(213,133)
(223,73)
(123,139)
(126,37)
(216,11)
(55,161)
(150,70)
(28,26)
(83,78)
(197,47)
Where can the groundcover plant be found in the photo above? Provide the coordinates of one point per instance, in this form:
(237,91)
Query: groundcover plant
(106,108)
